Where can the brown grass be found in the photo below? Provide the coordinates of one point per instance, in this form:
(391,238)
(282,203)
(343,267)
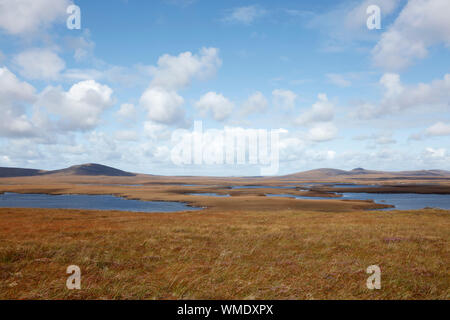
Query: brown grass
(224,254)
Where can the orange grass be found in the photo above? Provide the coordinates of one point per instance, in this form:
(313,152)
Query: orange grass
(224,254)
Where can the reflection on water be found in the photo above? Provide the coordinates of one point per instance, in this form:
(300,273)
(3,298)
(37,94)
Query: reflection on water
(89,202)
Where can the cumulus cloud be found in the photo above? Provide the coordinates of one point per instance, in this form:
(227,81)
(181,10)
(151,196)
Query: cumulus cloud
(39,64)
(322,132)
(284,99)
(256,103)
(216,104)
(438,129)
(398,97)
(321,111)
(79,108)
(245,15)
(172,73)
(291,147)
(15,95)
(421,24)
(162,105)
(176,72)
(19,17)
(156,131)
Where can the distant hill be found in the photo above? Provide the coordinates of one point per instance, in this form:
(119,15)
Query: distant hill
(6,172)
(326,173)
(89,169)
(92,169)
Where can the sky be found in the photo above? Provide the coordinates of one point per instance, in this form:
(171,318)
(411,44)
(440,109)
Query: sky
(118,89)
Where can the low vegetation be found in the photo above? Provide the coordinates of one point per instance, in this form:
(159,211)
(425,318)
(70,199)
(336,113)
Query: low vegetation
(224,254)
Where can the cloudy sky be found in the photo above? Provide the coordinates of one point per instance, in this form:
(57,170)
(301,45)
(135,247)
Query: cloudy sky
(114,91)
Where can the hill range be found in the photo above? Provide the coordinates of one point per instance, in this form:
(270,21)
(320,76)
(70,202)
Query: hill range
(89,169)
(93,169)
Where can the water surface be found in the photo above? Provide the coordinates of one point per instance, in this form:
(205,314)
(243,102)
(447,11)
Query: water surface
(404,201)
(89,202)
(401,201)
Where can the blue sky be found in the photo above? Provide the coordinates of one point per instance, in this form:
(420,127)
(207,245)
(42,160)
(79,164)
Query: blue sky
(115,91)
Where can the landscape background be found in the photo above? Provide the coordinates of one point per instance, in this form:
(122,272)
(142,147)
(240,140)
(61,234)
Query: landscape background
(89,117)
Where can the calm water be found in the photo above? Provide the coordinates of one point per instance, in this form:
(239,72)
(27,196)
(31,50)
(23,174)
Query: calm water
(91,202)
(401,201)
(404,201)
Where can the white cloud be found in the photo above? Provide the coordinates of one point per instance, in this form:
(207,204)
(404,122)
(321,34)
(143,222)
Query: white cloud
(31,16)
(156,131)
(421,24)
(126,135)
(12,89)
(284,99)
(436,130)
(79,108)
(439,129)
(176,72)
(290,147)
(322,132)
(321,111)
(40,64)
(321,155)
(161,99)
(216,104)
(435,153)
(256,103)
(14,97)
(245,15)
(398,97)
(103,147)
(162,105)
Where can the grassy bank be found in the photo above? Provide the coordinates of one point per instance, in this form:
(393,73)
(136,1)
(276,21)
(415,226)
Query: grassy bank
(218,254)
